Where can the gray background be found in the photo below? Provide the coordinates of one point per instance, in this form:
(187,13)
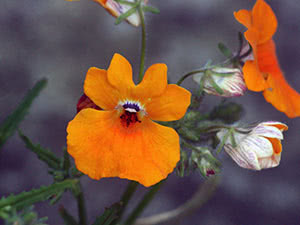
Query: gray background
(60,40)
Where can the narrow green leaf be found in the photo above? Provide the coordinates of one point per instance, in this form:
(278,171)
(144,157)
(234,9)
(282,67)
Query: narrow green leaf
(11,123)
(124,2)
(36,195)
(43,154)
(150,9)
(214,85)
(67,217)
(125,15)
(226,51)
(109,215)
(55,198)
(66,162)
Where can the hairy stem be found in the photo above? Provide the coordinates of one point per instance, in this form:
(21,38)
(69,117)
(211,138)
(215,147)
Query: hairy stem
(143,49)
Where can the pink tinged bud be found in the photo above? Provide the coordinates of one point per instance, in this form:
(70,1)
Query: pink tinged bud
(229,80)
(258,149)
(116,9)
(210,172)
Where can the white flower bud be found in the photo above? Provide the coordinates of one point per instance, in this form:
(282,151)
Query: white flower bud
(229,81)
(258,149)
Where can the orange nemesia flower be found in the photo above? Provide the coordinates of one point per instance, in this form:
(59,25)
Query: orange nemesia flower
(264,73)
(122,140)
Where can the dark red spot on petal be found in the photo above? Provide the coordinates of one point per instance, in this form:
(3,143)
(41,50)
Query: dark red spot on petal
(129,118)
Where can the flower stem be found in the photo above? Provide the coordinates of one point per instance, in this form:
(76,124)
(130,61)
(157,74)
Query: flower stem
(189,74)
(143,49)
(143,203)
(81,206)
(175,216)
(131,188)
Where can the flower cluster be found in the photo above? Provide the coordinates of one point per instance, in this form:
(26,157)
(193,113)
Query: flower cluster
(113,134)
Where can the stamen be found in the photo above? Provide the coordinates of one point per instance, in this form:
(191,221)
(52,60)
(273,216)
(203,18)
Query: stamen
(128,118)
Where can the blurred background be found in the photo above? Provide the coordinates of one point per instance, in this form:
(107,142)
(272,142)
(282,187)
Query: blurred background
(60,40)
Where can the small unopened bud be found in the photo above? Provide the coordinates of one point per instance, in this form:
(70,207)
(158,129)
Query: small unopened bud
(207,164)
(222,81)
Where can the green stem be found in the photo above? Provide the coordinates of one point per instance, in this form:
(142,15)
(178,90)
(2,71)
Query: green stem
(189,74)
(143,50)
(131,188)
(143,203)
(226,136)
(81,205)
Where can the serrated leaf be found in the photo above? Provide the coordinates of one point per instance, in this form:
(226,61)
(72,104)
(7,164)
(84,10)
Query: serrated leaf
(43,154)
(11,123)
(110,214)
(25,199)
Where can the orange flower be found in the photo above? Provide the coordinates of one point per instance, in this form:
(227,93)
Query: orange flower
(264,73)
(122,140)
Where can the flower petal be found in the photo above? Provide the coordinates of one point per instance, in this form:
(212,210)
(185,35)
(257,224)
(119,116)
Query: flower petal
(283,97)
(280,126)
(267,131)
(244,17)
(277,147)
(171,105)
(102,147)
(264,20)
(154,82)
(253,77)
(259,145)
(119,74)
(269,162)
(266,58)
(245,159)
(99,90)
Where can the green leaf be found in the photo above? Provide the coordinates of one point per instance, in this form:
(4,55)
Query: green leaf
(11,123)
(125,2)
(214,85)
(125,15)
(182,168)
(43,154)
(25,199)
(66,162)
(226,51)
(67,217)
(150,9)
(110,214)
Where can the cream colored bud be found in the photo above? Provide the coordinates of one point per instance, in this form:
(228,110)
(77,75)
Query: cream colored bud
(258,149)
(230,81)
